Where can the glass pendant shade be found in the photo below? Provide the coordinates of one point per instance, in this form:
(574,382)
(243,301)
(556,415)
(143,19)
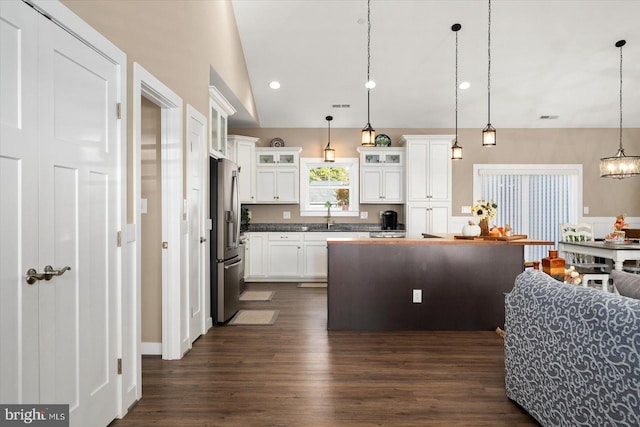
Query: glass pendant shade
(489,136)
(368,136)
(456,151)
(620,166)
(329,153)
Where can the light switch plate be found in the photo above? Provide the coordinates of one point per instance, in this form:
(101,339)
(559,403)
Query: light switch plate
(286,215)
(466,209)
(417,296)
(585,210)
(143,206)
(364,215)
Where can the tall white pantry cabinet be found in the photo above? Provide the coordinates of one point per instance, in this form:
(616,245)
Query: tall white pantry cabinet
(428,198)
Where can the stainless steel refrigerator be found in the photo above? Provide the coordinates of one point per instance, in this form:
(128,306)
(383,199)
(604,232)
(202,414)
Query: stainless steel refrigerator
(226,262)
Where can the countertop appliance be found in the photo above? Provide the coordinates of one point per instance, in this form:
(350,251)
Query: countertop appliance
(226,259)
(389,220)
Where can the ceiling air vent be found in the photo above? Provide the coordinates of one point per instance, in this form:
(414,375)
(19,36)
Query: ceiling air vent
(546,117)
(340,105)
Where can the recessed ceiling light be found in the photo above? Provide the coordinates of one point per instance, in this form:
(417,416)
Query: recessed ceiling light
(548,117)
(370,84)
(274,85)
(464,85)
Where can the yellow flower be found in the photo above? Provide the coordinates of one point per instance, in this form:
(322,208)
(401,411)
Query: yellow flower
(484,210)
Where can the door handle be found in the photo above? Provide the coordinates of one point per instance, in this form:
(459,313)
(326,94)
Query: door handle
(48,274)
(203,239)
(235,264)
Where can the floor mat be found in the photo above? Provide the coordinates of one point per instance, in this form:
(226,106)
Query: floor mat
(257,295)
(254,317)
(312,285)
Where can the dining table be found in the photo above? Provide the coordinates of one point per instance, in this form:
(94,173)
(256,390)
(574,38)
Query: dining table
(618,252)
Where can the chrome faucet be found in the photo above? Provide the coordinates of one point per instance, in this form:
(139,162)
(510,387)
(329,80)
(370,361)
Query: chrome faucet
(329,221)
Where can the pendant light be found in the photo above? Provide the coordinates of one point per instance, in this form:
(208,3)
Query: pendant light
(489,132)
(620,166)
(456,150)
(329,153)
(368,133)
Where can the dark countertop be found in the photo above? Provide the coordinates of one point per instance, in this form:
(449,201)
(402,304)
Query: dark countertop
(311,227)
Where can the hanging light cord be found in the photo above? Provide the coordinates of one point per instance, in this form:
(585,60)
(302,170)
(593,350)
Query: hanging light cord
(489,69)
(621,98)
(456,87)
(368,58)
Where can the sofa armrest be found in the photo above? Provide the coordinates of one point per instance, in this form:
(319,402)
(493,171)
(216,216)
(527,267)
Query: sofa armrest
(572,354)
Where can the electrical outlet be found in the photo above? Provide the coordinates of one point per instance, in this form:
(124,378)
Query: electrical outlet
(466,209)
(286,215)
(364,215)
(417,296)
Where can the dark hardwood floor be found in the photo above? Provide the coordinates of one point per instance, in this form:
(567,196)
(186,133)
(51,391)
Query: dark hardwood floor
(296,373)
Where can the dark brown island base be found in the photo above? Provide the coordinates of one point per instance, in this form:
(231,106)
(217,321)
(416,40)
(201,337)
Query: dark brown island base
(373,282)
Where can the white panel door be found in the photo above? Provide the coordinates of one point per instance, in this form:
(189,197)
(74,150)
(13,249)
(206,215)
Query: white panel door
(266,185)
(393,180)
(78,219)
(439,165)
(417,171)
(371,185)
(315,259)
(60,182)
(287,185)
(197,146)
(19,361)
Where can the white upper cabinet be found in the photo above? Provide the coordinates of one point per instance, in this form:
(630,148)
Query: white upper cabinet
(277,175)
(381,175)
(428,168)
(219,111)
(243,152)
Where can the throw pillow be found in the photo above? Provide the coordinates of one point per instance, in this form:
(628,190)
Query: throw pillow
(628,284)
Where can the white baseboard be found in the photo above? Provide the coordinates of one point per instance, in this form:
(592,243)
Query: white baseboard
(151,348)
(208,324)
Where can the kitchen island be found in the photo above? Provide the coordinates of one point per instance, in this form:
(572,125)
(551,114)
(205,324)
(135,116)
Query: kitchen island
(373,282)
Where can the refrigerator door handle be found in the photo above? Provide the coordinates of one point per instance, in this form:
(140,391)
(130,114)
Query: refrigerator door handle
(235,264)
(235,205)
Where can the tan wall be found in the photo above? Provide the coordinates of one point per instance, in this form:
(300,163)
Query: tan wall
(151,186)
(604,197)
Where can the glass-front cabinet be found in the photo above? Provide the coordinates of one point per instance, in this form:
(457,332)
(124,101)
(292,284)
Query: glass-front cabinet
(219,111)
(381,175)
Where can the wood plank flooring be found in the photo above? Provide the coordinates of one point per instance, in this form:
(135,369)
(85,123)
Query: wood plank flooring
(296,373)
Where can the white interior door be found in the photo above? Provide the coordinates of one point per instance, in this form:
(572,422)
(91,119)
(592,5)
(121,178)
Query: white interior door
(72,195)
(19,202)
(197,147)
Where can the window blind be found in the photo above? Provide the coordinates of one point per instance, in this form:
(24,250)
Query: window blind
(534,204)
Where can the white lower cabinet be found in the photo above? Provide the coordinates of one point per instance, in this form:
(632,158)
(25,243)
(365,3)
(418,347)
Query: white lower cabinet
(427,218)
(284,254)
(290,256)
(255,259)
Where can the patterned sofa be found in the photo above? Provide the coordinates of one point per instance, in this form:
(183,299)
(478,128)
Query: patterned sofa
(572,354)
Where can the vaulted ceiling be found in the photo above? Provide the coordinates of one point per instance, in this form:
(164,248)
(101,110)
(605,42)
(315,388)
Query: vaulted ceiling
(549,58)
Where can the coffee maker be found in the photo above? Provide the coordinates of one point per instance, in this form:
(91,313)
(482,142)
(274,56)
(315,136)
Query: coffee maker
(389,220)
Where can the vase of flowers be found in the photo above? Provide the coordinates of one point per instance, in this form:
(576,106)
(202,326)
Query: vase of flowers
(485,211)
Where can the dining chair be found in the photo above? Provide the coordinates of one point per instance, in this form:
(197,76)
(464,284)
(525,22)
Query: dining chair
(592,269)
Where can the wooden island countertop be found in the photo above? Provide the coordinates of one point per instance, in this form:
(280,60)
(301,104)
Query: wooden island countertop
(440,239)
(372,282)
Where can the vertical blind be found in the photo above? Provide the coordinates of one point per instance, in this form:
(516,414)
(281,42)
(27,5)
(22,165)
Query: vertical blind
(533,202)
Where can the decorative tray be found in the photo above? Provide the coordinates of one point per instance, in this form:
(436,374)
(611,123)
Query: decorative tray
(498,238)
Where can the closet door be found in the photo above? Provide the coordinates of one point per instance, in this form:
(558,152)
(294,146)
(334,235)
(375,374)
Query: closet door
(19,204)
(60,178)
